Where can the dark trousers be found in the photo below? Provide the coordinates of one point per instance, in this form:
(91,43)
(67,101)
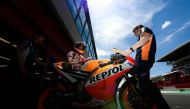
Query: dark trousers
(141,70)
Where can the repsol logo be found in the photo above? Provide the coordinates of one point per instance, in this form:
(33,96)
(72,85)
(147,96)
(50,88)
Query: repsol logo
(106,74)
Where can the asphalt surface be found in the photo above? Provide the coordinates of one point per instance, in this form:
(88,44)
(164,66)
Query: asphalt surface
(177,100)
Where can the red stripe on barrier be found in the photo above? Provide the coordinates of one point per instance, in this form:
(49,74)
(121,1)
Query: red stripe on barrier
(183,85)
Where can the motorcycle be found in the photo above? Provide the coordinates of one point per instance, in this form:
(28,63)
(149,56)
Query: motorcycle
(99,83)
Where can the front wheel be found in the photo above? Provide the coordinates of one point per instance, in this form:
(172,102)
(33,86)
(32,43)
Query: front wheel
(121,95)
(127,96)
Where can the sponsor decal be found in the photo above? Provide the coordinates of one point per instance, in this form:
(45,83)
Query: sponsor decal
(106,74)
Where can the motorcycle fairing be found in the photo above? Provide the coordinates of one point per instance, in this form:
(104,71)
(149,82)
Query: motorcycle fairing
(101,84)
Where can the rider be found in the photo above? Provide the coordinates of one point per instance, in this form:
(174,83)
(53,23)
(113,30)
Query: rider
(76,57)
(144,60)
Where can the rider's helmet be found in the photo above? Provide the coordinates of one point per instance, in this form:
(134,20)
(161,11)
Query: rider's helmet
(137,27)
(80,47)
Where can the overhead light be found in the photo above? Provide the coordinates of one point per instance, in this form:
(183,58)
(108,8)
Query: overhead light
(6,41)
(41,59)
(5,58)
(14,45)
(3,66)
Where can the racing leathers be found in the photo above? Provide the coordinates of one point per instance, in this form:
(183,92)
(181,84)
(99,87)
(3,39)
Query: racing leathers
(75,59)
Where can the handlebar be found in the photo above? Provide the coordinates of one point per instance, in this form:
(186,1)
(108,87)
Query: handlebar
(105,64)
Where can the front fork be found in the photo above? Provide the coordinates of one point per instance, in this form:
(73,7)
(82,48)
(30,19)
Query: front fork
(133,94)
(135,88)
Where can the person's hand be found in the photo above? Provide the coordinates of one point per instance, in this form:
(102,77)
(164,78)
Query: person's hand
(125,53)
(128,52)
(115,50)
(89,58)
(86,59)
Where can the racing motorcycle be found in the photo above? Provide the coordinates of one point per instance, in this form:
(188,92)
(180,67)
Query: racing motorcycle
(99,83)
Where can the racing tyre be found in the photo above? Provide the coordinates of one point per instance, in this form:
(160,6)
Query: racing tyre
(129,98)
(121,95)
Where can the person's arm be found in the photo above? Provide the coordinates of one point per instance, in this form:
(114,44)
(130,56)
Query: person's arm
(70,56)
(84,59)
(143,40)
(70,60)
(145,37)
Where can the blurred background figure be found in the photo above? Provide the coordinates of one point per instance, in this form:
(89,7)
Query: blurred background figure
(31,59)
